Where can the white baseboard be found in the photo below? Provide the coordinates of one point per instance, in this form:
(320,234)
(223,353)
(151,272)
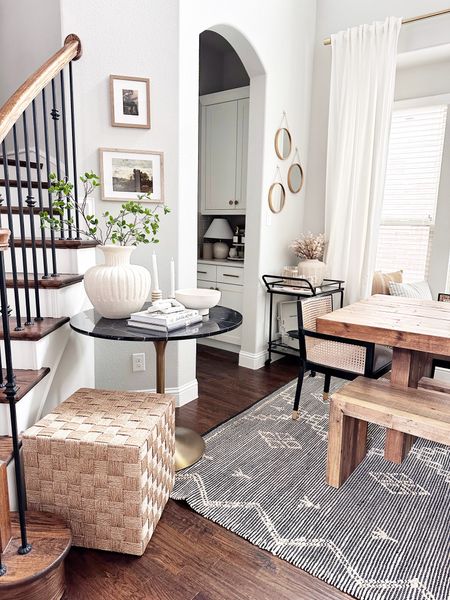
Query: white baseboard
(248,360)
(220,345)
(252,361)
(183,393)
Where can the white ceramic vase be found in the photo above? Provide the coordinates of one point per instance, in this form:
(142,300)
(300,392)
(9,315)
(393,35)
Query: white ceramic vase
(116,288)
(313,270)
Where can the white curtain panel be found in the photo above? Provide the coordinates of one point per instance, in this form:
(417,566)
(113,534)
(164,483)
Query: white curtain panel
(361,98)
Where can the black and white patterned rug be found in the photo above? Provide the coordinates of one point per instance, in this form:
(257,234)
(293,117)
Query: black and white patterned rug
(384,535)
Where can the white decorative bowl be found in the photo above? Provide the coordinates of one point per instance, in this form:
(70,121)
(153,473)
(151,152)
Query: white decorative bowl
(198,298)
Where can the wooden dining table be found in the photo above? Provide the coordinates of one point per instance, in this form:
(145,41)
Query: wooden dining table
(418,331)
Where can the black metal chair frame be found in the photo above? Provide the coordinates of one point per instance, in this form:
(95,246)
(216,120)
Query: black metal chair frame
(329,372)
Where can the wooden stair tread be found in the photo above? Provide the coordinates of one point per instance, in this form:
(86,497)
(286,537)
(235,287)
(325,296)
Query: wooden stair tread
(60,281)
(419,412)
(26,379)
(24,184)
(37,330)
(23,163)
(26,210)
(36,574)
(66,243)
(6,449)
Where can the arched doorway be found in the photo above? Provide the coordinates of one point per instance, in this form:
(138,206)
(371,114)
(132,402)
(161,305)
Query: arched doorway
(230,86)
(188,127)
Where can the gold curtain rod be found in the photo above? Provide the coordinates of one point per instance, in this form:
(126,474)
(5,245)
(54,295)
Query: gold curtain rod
(327,41)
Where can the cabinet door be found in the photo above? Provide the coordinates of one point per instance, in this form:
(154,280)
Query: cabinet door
(206,272)
(220,155)
(231,298)
(241,155)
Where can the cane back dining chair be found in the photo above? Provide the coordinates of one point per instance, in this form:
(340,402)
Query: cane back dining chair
(441,361)
(333,356)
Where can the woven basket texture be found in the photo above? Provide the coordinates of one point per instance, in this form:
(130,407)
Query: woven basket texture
(104,460)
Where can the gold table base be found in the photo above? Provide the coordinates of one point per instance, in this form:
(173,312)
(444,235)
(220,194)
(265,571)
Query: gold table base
(189,445)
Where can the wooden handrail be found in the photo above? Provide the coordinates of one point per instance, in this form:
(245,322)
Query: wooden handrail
(27,92)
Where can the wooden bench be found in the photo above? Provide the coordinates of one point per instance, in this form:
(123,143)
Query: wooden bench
(437,385)
(419,412)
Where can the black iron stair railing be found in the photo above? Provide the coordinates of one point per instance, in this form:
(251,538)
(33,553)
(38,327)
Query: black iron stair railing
(11,390)
(39,182)
(22,236)
(13,248)
(48,172)
(48,115)
(26,116)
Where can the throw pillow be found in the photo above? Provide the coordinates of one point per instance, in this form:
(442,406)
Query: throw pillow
(411,290)
(381,281)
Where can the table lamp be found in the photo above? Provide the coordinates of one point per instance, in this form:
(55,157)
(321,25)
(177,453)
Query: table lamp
(219,230)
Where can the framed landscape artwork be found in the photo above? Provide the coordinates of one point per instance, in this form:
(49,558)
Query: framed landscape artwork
(130,101)
(127,174)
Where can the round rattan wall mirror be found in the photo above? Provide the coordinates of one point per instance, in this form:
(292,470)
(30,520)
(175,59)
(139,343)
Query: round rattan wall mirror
(283,143)
(295,178)
(277,197)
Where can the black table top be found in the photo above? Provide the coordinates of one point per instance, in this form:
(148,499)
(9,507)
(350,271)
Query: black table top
(90,323)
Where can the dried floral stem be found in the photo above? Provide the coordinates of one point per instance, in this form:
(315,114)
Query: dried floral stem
(309,246)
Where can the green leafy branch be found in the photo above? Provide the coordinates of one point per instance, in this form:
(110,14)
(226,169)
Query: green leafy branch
(133,225)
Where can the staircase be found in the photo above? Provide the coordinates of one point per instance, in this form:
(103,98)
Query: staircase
(42,361)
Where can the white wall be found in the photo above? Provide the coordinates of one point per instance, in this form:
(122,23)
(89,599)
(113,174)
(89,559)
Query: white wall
(334,16)
(30,32)
(275,45)
(134,38)
(160,39)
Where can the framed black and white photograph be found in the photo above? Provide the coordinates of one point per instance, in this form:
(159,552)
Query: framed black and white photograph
(130,101)
(128,174)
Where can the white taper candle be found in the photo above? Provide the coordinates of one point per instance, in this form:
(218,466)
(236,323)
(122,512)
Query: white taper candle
(155,273)
(172,278)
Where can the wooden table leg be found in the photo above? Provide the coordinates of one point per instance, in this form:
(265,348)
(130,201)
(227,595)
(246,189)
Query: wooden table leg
(160,348)
(408,367)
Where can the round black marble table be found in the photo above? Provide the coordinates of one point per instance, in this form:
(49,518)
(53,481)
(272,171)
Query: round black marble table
(189,444)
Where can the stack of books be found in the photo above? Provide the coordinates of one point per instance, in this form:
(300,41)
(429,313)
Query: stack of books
(165,322)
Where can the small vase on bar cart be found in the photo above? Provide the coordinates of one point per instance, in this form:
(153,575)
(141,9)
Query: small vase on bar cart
(310,249)
(313,270)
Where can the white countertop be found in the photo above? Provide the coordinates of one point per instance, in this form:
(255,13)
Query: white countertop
(222,263)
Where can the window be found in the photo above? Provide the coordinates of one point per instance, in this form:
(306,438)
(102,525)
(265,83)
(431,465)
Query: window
(411,191)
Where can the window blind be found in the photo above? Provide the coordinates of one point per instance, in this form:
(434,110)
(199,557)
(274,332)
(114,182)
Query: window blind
(411,191)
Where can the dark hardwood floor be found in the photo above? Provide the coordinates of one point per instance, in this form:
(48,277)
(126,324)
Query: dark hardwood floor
(189,557)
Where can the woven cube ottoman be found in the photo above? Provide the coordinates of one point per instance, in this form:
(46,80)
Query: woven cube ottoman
(104,460)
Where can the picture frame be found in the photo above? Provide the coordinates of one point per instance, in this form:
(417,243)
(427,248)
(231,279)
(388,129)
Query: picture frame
(126,174)
(129,101)
(443,297)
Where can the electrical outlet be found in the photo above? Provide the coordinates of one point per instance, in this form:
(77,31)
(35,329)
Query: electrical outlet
(138,361)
